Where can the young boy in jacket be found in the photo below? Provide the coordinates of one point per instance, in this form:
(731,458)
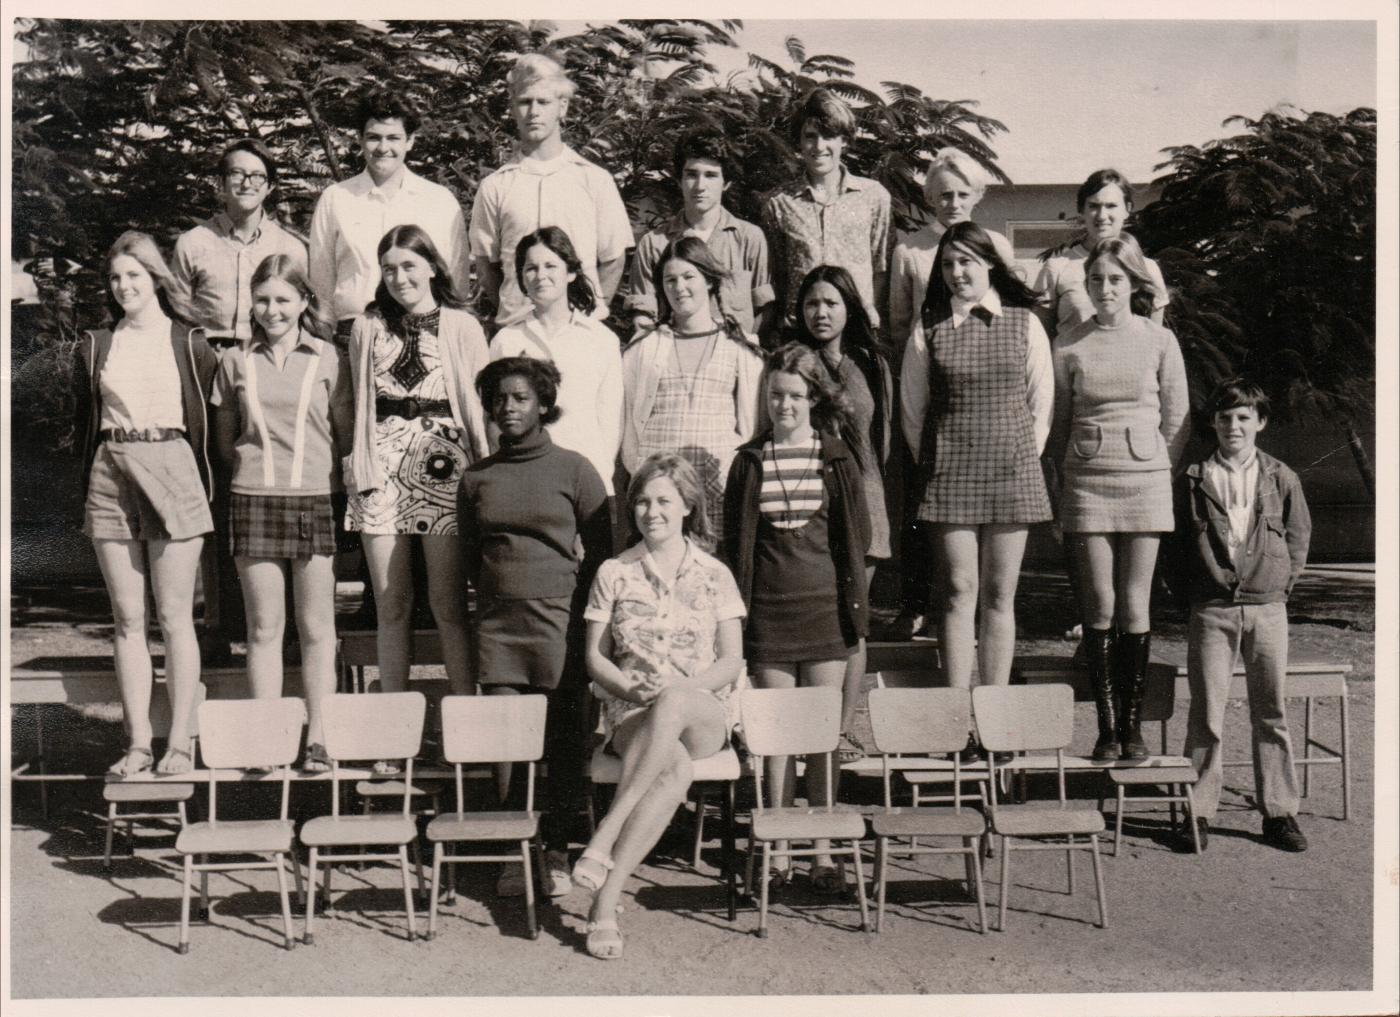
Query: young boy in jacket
(1241,543)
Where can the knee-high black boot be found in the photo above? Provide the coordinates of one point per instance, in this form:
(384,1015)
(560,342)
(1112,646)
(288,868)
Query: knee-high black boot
(1098,644)
(1133,650)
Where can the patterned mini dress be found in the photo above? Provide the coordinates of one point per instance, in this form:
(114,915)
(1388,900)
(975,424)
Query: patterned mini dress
(422,457)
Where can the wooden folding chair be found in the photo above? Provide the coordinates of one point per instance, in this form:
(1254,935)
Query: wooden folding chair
(489,729)
(1035,718)
(797,722)
(906,721)
(239,734)
(385,725)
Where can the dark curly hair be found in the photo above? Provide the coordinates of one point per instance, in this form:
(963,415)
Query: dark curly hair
(541,375)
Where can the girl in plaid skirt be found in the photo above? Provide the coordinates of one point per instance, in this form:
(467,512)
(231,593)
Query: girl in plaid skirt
(283,420)
(977,390)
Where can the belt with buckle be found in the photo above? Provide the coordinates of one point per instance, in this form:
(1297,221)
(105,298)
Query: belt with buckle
(120,434)
(410,408)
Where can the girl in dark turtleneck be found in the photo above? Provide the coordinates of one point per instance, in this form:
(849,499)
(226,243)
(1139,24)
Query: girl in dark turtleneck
(522,513)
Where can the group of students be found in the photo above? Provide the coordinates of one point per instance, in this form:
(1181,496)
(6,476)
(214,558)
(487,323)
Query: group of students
(775,448)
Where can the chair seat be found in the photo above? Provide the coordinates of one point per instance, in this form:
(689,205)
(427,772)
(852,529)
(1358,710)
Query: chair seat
(930,822)
(335,831)
(807,824)
(455,826)
(1155,775)
(394,788)
(1039,821)
(606,768)
(255,836)
(128,792)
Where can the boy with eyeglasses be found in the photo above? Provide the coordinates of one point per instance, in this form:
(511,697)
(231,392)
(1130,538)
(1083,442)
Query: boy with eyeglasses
(211,271)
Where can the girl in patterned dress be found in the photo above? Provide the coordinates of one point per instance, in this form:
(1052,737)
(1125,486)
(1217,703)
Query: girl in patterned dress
(414,356)
(691,385)
(664,648)
(977,390)
(832,321)
(797,531)
(284,421)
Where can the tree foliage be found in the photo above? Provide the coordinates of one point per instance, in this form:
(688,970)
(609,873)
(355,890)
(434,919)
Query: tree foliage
(118,124)
(1268,238)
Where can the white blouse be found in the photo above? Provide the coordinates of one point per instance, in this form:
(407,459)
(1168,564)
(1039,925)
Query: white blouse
(140,381)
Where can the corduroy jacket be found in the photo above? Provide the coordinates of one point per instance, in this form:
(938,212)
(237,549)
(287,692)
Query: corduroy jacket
(849,531)
(1275,550)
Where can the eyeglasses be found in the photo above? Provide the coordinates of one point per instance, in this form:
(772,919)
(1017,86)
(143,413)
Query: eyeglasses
(238,178)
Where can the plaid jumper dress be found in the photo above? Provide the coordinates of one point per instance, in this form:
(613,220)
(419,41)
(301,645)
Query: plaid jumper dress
(979,456)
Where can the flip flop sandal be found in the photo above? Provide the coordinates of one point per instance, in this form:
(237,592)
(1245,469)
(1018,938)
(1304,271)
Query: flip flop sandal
(848,750)
(316,761)
(591,870)
(137,759)
(605,938)
(175,761)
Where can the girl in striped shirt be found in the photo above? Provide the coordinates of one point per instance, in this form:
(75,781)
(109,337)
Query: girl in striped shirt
(796,531)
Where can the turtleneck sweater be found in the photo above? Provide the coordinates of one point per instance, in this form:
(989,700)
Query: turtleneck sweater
(519,512)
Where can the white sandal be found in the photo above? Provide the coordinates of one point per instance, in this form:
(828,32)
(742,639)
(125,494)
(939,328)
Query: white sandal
(591,870)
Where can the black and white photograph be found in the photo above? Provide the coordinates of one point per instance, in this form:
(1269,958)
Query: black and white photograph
(566,509)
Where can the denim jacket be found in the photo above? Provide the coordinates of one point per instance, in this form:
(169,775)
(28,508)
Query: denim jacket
(1274,552)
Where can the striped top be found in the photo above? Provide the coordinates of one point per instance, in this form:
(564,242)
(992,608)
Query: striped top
(791,490)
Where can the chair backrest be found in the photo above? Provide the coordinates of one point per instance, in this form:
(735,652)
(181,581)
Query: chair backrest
(920,721)
(244,733)
(376,725)
(791,722)
(492,729)
(1016,718)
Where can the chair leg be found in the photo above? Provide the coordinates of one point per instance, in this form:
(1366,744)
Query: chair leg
(763,892)
(296,876)
(204,892)
(529,891)
(326,884)
(281,859)
(1098,880)
(308,933)
(1005,882)
(748,870)
(974,854)
(727,819)
(407,892)
(433,891)
(881,874)
(1346,759)
(1191,817)
(418,861)
(185,905)
(860,886)
(1307,743)
(1122,800)
(451,894)
(700,796)
(111,824)
(1069,860)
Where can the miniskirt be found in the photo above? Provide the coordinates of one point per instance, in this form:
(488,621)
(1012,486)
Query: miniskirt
(523,642)
(145,490)
(1117,502)
(281,526)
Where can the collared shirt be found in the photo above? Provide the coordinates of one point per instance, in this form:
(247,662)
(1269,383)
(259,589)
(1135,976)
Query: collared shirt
(568,191)
(914,375)
(911,268)
(351,218)
(1061,284)
(589,357)
(294,422)
(660,629)
(1234,485)
(741,250)
(212,269)
(852,231)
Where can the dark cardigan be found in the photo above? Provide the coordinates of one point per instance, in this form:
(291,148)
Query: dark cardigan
(849,533)
(196,363)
